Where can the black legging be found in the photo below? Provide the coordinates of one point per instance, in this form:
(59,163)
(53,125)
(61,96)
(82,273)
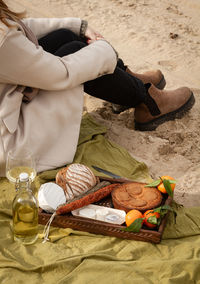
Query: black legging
(119,88)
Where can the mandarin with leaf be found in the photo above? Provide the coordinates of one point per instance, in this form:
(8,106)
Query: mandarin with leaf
(132,215)
(151,218)
(161,187)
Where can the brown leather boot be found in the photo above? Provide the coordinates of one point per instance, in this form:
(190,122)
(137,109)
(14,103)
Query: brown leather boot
(171,105)
(155,77)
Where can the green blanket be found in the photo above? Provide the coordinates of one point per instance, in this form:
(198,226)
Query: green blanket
(83,258)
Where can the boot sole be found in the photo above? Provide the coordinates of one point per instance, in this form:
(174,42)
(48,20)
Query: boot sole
(177,114)
(118,108)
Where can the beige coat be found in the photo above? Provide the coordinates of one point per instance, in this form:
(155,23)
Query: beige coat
(49,124)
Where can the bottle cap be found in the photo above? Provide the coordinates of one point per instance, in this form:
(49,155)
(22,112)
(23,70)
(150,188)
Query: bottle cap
(23,177)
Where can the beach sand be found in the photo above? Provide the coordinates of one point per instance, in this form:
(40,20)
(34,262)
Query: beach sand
(142,33)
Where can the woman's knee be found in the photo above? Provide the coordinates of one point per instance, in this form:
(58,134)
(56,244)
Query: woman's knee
(66,33)
(77,44)
(56,39)
(70,48)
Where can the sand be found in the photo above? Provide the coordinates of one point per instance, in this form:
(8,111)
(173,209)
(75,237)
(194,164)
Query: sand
(140,31)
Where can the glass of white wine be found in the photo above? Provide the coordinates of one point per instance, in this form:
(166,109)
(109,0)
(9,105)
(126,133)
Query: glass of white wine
(19,161)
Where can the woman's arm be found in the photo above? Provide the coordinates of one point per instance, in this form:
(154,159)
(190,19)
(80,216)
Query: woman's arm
(24,64)
(42,26)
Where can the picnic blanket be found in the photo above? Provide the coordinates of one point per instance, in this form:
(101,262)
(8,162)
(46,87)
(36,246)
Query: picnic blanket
(83,258)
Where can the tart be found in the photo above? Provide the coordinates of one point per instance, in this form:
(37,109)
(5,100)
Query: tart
(135,195)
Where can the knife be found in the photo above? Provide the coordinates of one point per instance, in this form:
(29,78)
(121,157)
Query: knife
(106,172)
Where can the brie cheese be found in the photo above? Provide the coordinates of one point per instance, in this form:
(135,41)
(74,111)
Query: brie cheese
(50,196)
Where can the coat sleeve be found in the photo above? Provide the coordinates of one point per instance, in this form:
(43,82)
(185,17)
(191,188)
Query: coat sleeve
(42,26)
(22,63)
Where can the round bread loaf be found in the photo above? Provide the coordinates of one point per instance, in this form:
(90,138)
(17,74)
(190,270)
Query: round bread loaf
(76,179)
(134,195)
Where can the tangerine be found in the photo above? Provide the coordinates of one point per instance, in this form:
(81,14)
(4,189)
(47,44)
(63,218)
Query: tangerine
(161,187)
(150,213)
(132,215)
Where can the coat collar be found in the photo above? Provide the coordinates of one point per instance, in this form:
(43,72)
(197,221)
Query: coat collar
(3,32)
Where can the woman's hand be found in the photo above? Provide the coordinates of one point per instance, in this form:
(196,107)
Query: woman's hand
(92,35)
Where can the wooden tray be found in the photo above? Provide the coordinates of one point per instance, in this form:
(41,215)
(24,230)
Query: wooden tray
(104,228)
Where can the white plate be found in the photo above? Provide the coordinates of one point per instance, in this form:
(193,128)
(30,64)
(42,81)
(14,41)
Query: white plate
(101,213)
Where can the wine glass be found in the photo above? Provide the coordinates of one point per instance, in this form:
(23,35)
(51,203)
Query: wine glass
(20,160)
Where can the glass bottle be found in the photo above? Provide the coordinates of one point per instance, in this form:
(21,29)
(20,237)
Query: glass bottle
(25,212)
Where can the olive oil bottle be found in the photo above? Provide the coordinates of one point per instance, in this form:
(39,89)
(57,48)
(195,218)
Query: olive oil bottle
(25,212)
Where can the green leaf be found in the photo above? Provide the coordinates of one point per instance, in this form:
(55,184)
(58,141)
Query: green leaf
(135,226)
(159,221)
(167,186)
(164,209)
(172,181)
(152,220)
(155,183)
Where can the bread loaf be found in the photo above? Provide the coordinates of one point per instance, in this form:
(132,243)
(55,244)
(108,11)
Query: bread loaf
(75,180)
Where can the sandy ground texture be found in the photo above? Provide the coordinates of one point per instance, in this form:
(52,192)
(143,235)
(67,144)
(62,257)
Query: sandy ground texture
(148,35)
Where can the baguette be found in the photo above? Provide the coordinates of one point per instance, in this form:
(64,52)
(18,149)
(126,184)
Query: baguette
(87,199)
